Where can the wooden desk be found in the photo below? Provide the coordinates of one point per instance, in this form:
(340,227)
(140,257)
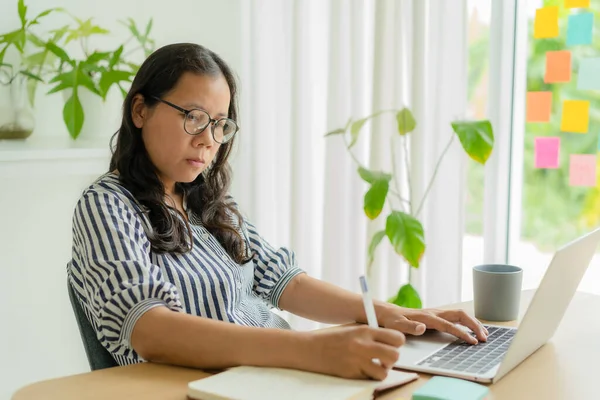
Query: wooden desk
(562,369)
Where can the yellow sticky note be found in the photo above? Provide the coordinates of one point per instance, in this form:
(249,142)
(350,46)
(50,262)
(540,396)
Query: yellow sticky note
(575,116)
(577,3)
(546,23)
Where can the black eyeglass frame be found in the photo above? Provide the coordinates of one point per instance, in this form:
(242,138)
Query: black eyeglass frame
(211,121)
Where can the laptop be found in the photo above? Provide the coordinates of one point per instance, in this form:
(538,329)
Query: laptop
(439,353)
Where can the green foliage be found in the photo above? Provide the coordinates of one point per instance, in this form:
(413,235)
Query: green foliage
(49,60)
(17,40)
(476,138)
(406,235)
(406,121)
(407,296)
(402,227)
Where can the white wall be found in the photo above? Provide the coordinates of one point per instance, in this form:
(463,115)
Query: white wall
(38,335)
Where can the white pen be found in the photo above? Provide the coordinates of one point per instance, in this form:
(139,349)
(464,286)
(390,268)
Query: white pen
(368,303)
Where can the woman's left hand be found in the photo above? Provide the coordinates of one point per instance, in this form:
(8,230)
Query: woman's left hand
(415,322)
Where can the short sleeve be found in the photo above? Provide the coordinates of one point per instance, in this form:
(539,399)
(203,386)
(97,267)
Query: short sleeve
(274,268)
(112,260)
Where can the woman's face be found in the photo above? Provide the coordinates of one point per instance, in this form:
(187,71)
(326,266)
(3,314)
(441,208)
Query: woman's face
(177,155)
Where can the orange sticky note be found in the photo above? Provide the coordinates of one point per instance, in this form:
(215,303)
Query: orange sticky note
(558,66)
(546,23)
(539,106)
(547,152)
(575,116)
(582,170)
(577,3)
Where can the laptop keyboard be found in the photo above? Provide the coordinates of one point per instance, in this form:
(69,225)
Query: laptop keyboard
(460,356)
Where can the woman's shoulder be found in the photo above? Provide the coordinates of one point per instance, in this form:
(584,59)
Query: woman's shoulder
(108,188)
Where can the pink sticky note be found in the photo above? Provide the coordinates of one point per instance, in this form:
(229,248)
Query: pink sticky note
(547,152)
(582,171)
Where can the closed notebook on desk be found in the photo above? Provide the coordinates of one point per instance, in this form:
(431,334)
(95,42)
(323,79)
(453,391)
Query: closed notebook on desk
(256,383)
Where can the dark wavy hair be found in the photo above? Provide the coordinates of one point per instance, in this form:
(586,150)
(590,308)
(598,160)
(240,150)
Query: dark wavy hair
(207,196)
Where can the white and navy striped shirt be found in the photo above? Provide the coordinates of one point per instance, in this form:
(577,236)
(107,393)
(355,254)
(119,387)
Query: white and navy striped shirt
(117,277)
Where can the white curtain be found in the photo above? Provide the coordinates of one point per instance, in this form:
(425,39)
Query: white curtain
(309,66)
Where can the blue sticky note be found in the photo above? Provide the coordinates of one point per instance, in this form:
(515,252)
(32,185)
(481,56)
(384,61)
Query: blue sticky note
(589,74)
(446,388)
(580,29)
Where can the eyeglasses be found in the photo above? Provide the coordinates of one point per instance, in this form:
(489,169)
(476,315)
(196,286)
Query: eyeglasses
(196,121)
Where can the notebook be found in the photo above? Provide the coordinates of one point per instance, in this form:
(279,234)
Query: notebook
(260,383)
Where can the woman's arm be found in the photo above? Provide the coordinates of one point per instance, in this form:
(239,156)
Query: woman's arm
(323,302)
(164,336)
(320,301)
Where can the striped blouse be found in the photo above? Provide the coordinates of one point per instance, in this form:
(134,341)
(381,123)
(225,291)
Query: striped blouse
(117,277)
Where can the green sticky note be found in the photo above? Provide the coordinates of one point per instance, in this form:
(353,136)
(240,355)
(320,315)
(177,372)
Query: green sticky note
(589,74)
(445,388)
(580,28)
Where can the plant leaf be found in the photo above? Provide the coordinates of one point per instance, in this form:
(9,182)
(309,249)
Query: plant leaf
(31,89)
(375,198)
(22,12)
(60,53)
(96,57)
(355,130)
(2,53)
(59,33)
(83,79)
(406,121)
(35,59)
(148,28)
(17,38)
(123,91)
(375,241)
(116,56)
(65,80)
(35,40)
(111,77)
(335,132)
(407,297)
(73,114)
(44,13)
(406,235)
(372,176)
(85,29)
(477,138)
(31,76)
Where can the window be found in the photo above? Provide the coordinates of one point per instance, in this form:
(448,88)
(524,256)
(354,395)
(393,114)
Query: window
(559,192)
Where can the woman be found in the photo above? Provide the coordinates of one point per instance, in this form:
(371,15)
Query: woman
(167,269)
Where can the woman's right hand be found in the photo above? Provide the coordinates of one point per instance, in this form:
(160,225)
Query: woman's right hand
(349,352)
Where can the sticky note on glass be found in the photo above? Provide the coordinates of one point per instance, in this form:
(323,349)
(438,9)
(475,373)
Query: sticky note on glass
(539,106)
(575,116)
(582,170)
(546,23)
(589,74)
(547,152)
(579,29)
(577,3)
(558,66)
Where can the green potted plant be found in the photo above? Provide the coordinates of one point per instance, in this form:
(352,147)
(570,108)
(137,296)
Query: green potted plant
(403,229)
(46,59)
(97,71)
(26,48)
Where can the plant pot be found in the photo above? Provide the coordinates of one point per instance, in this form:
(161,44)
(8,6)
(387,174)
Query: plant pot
(17,120)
